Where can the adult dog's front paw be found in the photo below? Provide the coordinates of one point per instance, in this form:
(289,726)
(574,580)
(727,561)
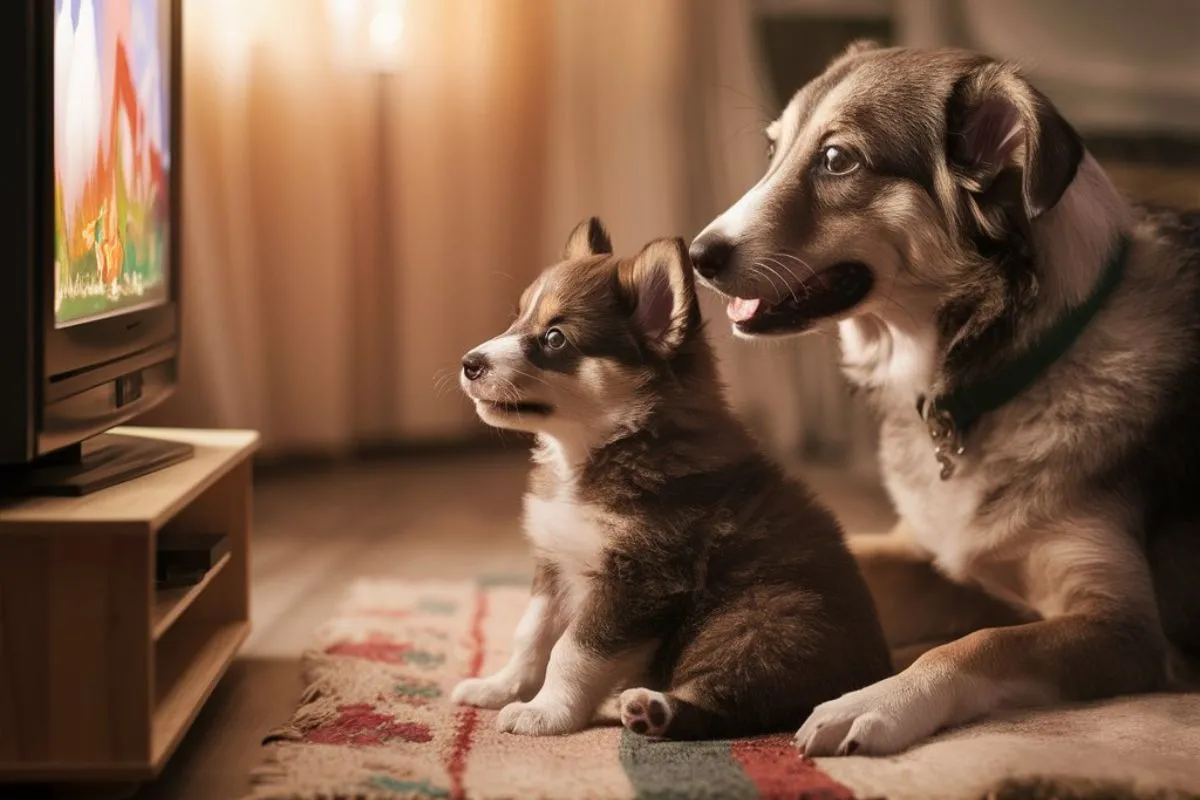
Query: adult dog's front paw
(495,691)
(537,719)
(881,719)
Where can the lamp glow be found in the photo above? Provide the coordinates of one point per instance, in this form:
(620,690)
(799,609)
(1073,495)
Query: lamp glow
(386,33)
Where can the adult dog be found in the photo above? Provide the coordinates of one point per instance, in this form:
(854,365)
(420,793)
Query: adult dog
(1031,341)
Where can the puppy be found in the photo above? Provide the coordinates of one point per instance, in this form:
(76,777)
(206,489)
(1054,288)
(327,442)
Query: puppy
(672,558)
(1031,341)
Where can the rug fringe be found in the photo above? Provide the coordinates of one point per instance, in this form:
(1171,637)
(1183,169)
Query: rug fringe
(269,782)
(316,707)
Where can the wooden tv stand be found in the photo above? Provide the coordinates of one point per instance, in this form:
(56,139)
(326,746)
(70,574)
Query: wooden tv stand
(100,675)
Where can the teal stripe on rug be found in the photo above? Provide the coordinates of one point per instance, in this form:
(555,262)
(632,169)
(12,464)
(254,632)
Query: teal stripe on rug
(662,770)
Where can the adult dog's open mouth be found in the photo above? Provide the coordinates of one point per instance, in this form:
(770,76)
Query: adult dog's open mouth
(826,294)
(498,407)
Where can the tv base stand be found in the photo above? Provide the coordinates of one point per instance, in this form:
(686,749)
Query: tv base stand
(100,673)
(98,463)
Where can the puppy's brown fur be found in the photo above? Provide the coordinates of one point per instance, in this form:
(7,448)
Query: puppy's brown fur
(673,558)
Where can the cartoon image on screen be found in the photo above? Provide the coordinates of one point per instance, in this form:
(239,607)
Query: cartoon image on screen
(111,157)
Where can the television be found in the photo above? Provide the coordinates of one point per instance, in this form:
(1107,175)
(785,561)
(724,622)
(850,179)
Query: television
(90,312)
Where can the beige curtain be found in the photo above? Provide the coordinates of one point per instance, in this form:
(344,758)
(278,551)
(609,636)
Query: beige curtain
(358,215)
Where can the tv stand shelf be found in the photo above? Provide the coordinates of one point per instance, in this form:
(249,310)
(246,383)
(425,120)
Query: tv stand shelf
(100,675)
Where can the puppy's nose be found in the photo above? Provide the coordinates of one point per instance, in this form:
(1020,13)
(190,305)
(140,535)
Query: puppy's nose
(474,365)
(711,254)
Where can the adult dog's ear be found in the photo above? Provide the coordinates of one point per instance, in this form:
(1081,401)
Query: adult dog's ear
(588,239)
(661,293)
(997,122)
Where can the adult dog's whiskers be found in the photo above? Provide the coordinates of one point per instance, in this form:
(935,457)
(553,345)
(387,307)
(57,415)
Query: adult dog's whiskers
(784,267)
(808,289)
(787,286)
(759,268)
(890,300)
(798,260)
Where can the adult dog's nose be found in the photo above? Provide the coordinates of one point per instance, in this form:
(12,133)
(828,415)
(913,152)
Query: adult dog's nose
(474,364)
(711,254)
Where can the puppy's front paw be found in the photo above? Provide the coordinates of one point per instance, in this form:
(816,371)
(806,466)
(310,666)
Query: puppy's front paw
(645,712)
(881,719)
(536,719)
(495,691)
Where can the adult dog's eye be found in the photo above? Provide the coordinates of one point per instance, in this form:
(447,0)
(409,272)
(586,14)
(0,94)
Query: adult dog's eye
(837,161)
(555,339)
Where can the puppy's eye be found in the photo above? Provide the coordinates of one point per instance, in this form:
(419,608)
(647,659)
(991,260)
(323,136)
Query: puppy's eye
(770,149)
(837,161)
(555,339)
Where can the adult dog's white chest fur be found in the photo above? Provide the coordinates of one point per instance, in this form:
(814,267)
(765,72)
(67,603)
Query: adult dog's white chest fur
(940,515)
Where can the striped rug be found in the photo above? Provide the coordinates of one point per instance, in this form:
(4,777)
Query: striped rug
(375,722)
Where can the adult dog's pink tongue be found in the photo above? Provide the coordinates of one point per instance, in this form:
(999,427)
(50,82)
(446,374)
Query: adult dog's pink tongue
(740,310)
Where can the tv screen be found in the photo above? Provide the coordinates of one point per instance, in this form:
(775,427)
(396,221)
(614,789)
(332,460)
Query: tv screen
(89,318)
(112,157)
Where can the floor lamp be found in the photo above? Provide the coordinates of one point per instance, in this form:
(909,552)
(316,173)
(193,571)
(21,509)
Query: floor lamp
(370,37)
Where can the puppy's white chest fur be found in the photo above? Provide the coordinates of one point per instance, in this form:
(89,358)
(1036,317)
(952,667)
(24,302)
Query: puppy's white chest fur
(570,535)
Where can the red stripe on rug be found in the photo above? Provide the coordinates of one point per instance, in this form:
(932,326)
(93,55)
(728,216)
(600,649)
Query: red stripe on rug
(779,772)
(468,717)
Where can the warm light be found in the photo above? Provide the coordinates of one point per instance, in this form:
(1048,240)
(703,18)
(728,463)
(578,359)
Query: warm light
(386,31)
(342,13)
(368,33)
(343,16)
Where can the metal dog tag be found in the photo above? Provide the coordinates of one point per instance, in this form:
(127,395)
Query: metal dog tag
(946,442)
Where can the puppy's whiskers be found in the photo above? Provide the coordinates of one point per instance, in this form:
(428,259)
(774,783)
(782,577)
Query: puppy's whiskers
(509,391)
(530,376)
(565,388)
(443,380)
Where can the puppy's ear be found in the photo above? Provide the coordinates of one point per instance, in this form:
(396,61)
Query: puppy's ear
(588,239)
(997,122)
(661,294)
(858,46)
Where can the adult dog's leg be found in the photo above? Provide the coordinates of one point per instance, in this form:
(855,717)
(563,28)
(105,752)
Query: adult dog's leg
(1100,637)
(917,605)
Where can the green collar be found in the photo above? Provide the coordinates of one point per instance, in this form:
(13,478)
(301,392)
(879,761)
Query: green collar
(950,416)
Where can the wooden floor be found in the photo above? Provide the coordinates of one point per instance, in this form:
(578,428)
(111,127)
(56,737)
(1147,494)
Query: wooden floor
(318,531)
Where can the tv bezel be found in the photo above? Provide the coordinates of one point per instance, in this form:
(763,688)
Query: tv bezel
(63,382)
